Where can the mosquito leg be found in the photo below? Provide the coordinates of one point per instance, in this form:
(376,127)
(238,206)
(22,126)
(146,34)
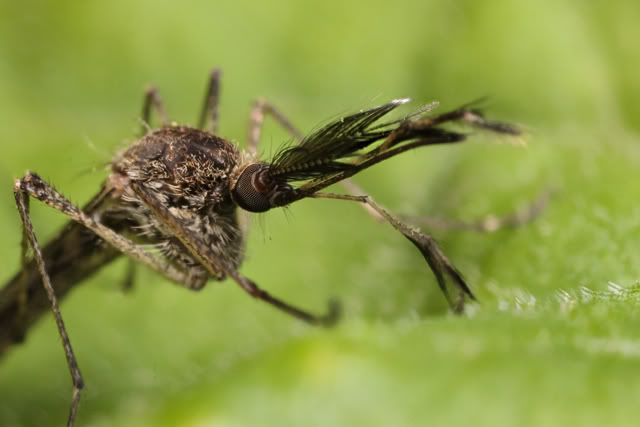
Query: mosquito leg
(328,319)
(256,119)
(34,186)
(24,258)
(72,363)
(130,275)
(209,112)
(441,266)
(216,264)
(37,188)
(355,190)
(488,224)
(152,100)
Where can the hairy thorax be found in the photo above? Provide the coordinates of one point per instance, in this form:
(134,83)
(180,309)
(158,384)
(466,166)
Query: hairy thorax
(187,171)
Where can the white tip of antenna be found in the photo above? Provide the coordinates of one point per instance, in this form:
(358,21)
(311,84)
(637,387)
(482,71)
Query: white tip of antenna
(401,101)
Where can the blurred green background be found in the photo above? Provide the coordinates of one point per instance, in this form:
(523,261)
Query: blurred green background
(555,339)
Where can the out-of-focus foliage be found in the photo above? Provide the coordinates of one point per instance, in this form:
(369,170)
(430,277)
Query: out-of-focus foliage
(538,350)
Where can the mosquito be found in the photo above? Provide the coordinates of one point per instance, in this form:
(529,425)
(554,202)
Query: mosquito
(180,190)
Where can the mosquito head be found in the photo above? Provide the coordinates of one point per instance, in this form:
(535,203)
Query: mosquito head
(256,191)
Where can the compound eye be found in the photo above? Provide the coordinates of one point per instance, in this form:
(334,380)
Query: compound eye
(252,189)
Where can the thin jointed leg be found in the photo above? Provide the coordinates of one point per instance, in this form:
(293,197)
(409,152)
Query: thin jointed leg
(72,363)
(130,275)
(24,260)
(33,186)
(256,119)
(488,224)
(37,188)
(209,113)
(328,319)
(216,264)
(152,100)
(440,265)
